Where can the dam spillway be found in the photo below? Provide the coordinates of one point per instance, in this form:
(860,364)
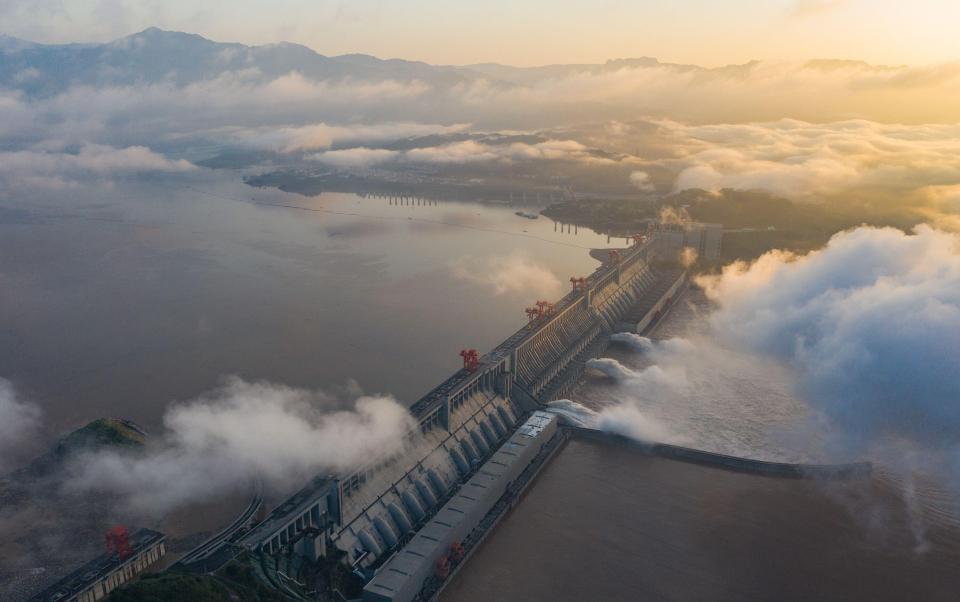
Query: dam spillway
(370,514)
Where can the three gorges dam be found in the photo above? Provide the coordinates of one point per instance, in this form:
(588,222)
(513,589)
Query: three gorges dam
(405,524)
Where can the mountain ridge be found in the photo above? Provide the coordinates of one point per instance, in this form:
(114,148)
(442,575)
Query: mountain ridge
(177,58)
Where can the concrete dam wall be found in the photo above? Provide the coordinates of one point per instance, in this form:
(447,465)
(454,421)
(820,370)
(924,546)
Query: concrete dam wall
(464,425)
(466,418)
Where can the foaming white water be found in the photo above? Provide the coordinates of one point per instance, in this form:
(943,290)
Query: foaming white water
(703,395)
(618,419)
(612,368)
(631,422)
(644,344)
(633,340)
(573,413)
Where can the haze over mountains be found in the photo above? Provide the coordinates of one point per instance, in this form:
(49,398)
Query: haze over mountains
(809,130)
(155,56)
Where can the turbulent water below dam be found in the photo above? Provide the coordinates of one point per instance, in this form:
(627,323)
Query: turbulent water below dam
(607,522)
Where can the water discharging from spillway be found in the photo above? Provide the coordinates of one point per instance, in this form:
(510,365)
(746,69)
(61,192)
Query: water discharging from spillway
(609,522)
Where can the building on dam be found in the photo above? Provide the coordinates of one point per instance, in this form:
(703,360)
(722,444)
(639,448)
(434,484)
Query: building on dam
(703,238)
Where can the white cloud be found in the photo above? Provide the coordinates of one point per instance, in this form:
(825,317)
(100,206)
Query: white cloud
(281,113)
(515,274)
(806,160)
(218,443)
(471,151)
(467,151)
(870,323)
(641,181)
(355,157)
(322,136)
(31,169)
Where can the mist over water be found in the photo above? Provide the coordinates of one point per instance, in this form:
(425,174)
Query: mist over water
(706,396)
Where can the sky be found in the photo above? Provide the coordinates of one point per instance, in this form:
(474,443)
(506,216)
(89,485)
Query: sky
(531,32)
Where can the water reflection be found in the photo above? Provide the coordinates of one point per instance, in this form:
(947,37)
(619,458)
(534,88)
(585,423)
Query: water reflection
(119,299)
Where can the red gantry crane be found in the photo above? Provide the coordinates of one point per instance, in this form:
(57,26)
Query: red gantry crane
(532,314)
(471,359)
(579,284)
(545,307)
(118,542)
(541,310)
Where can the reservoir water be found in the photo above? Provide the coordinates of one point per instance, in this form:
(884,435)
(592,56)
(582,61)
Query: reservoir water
(118,304)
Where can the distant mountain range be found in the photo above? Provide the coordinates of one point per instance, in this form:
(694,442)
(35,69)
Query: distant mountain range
(156,56)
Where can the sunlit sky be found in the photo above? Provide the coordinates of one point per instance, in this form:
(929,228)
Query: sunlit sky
(528,32)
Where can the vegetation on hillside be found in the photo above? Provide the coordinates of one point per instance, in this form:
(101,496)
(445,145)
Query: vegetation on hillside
(163,587)
(103,432)
(236,582)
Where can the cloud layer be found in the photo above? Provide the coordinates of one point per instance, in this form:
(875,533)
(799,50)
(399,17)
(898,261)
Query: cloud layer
(56,169)
(797,159)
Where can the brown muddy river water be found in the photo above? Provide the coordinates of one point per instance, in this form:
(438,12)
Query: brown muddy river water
(605,522)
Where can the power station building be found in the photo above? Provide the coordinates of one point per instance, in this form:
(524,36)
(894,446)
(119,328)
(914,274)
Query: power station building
(705,239)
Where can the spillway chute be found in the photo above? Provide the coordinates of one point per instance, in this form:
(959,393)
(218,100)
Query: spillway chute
(413,505)
(399,518)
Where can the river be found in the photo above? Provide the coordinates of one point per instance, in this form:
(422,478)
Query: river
(603,522)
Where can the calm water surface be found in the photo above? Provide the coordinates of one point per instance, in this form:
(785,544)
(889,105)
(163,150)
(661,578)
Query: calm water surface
(116,304)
